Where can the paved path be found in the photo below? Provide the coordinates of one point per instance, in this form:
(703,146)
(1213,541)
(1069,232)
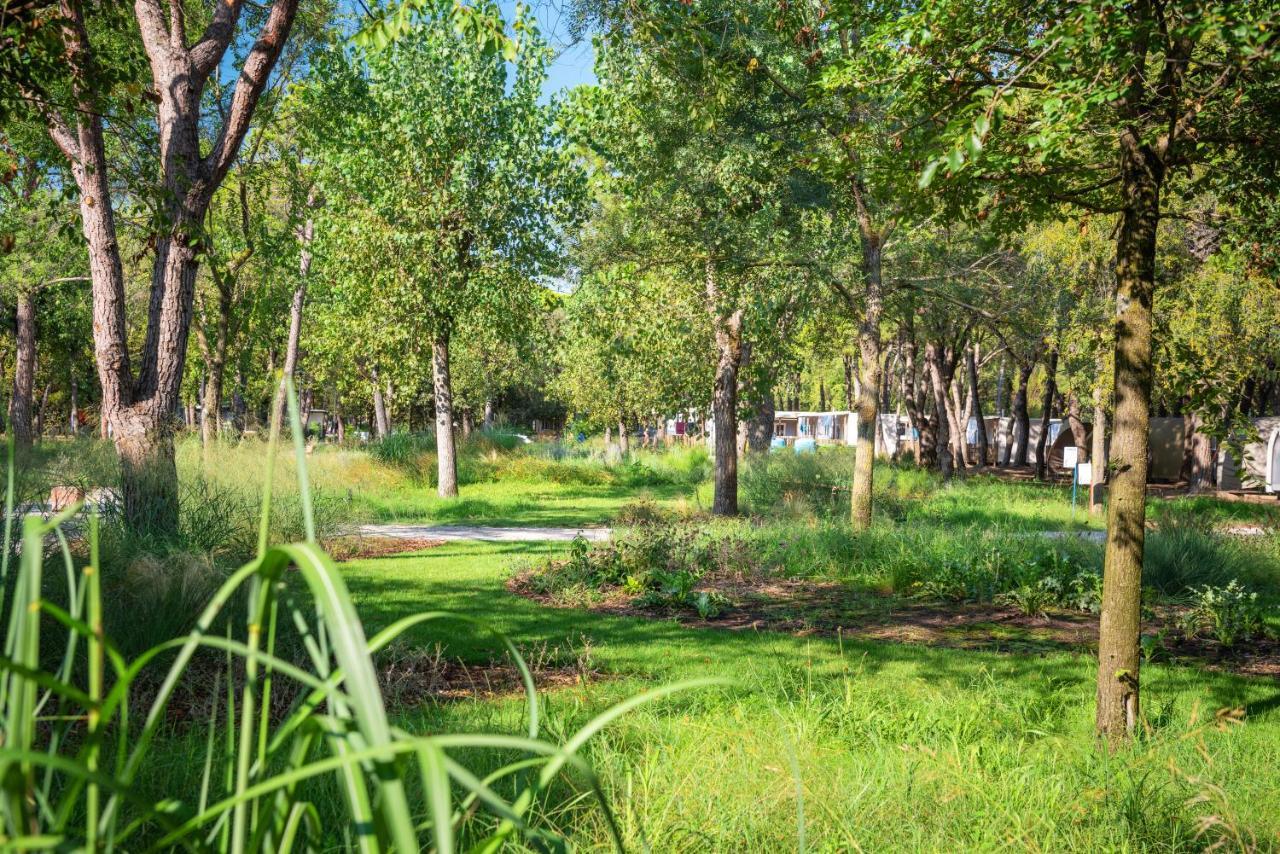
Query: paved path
(487,533)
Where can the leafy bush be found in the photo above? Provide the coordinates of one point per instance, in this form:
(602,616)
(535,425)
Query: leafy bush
(1229,614)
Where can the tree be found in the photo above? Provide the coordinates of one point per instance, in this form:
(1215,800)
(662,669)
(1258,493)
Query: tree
(1105,106)
(448,171)
(138,405)
(40,263)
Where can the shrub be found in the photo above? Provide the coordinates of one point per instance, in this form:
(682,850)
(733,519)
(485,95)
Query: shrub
(1229,614)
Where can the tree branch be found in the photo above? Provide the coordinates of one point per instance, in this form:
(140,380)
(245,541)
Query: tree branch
(253,79)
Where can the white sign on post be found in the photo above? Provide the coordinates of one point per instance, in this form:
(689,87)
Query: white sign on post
(1084,472)
(1070,456)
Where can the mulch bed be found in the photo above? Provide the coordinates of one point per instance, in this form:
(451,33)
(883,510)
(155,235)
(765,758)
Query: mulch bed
(816,608)
(356,547)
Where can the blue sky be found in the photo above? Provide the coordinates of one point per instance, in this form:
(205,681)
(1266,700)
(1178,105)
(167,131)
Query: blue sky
(574,60)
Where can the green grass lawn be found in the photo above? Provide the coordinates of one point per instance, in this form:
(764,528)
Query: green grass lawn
(517,503)
(855,746)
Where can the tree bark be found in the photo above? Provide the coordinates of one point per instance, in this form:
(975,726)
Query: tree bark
(140,410)
(446,453)
(1074,422)
(975,405)
(487,424)
(296,305)
(381,424)
(849,396)
(1098,453)
(21,404)
(908,347)
(467,422)
(624,438)
(868,380)
(1142,172)
(937,386)
(760,430)
(1021,416)
(727,326)
(1042,441)
(1197,454)
(38,428)
(73,417)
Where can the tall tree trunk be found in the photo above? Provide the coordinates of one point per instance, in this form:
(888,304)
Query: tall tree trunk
(1021,416)
(381,424)
(727,326)
(1098,453)
(914,420)
(959,425)
(868,379)
(296,305)
(140,410)
(446,454)
(975,405)
(42,409)
(215,363)
(487,424)
(1197,454)
(73,418)
(938,387)
(21,405)
(760,429)
(1046,413)
(468,422)
(1121,621)
(849,383)
(1074,422)
(624,438)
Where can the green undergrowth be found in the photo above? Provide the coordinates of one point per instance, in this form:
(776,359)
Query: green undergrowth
(663,559)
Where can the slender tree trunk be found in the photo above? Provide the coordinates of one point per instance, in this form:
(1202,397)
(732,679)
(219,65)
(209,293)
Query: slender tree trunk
(760,430)
(724,402)
(295,308)
(21,409)
(941,437)
(488,414)
(73,419)
(959,422)
(1074,422)
(914,420)
(42,409)
(849,395)
(1197,454)
(868,381)
(1021,416)
(624,438)
(1098,453)
(381,425)
(446,454)
(1121,621)
(975,405)
(1042,441)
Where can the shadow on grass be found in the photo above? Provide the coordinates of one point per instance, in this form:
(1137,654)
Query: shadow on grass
(468,579)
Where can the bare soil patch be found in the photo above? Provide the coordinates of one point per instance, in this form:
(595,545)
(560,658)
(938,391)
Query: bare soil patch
(817,608)
(358,546)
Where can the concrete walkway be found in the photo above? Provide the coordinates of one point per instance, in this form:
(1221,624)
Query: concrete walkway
(486,533)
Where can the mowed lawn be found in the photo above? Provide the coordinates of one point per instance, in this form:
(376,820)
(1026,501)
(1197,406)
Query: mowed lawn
(835,745)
